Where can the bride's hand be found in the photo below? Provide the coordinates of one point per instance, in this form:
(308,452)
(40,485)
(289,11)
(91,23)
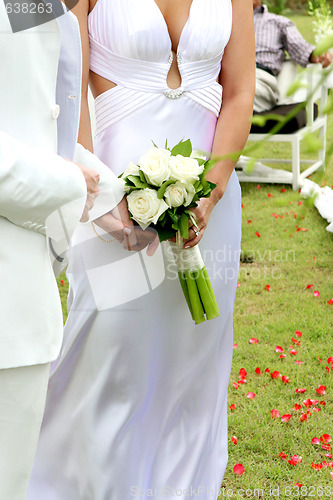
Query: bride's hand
(202,213)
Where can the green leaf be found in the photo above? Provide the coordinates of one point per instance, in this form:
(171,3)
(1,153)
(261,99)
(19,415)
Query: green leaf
(183,148)
(137,182)
(324,45)
(209,165)
(142,176)
(183,225)
(165,234)
(161,190)
(173,216)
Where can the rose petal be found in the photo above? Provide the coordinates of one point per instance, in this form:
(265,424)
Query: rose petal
(330,302)
(321,389)
(239,469)
(315,440)
(297,407)
(257,371)
(233,406)
(285,418)
(325,438)
(283,356)
(298,333)
(258,234)
(234,439)
(316,293)
(309,286)
(242,373)
(300,391)
(254,341)
(275,374)
(235,385)
(268,288)
(250,395)
(285,379)
(275,413)
(234,346)
(283,455)
(267,370)
(293,352)
(298,362)
(278,349)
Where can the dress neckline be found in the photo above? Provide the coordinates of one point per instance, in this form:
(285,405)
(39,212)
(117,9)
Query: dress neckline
(167,28)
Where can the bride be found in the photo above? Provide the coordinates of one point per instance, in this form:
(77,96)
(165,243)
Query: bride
(137,402)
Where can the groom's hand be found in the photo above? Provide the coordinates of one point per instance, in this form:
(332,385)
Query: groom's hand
(92,179)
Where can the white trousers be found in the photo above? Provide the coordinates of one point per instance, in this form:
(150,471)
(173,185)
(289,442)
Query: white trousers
(22,401)
(267,92)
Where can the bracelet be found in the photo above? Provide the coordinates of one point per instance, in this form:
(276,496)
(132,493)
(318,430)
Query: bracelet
(100,237)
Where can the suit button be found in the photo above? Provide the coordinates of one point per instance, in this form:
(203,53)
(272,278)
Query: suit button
(56,111)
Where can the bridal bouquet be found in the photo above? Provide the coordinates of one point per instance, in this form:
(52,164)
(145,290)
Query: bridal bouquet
(161,190)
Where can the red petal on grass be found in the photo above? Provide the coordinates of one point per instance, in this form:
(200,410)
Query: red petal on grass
(285,379)
(269,195)
(316,409)
(285,418)
(235,385)
(275,374)
(298,333)
(330,302)
(258,234)
(307,403)
(257,371)
(321,389)
(250,395)
(249,221)
(275,413)
(300,391)
(322,403)
(254,341)
(299,203)
(330,360)
(234,439)
(331,474)
(316,466)
(299,485)
(267,370)
(238,285)
(232,407)
(239,469)
(258,186)
(326,447)
(320,361)
(278,349)
(315,440)
(62,282)
(325,438)
(268,288)
(242,381)
(309,286)
(283,356)
(293,352)
(298,362)
(316,293)
(242,373)
(295,459)
(283,190)
(297,407)
(304,416)
(327,368)
(328,455)
(234,346)
(314,401)
(283,455)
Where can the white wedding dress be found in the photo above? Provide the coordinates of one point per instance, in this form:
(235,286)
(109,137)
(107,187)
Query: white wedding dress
(137,402)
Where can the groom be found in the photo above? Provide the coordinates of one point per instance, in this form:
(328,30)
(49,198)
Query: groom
(42,197)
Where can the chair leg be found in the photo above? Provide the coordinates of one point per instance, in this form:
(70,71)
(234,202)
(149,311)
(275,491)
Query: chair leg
(322,151)
(296,164)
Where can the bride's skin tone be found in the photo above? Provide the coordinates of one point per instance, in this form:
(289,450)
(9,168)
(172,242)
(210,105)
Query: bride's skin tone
(237,78)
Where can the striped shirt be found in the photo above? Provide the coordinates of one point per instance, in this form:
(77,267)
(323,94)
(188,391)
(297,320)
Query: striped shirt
(276,35)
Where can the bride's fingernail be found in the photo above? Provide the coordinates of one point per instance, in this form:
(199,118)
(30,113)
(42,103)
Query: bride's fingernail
(127,231)
(187,246)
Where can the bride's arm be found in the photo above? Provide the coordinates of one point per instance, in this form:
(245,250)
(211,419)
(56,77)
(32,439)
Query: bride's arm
(238,81)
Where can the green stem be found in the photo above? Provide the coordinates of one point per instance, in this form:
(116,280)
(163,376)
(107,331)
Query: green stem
(210,288)
(196,306)
(209,303)
(185,291)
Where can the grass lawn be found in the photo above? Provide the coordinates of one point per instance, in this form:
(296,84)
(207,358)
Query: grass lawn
(273,302)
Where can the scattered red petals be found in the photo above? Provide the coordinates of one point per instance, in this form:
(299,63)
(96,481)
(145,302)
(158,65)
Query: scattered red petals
(234,346)
(316,293)
(283,456)
(315,440)
(295,459)
(325,438)
(234,439)
(297,407)
(269,195)
(275,374)
(285,379)
(330,302)
(242,373)
(62,282)
(275,413)
(298,333)
(300,391)
(321,389)
(238,284)
(278,349)
(304,416)
(235,385)
(330,360)
(283,356)
(307,403)
(254,341)
(239,469)
(268,288)
(257,371)
(316,466)
(258,186)
(298,362)
(309,286)
(285,418)
(250,395)
(322,403)
(258,234)
(249,221)
(293,352)
(283,190)
(267,370)
(233,407)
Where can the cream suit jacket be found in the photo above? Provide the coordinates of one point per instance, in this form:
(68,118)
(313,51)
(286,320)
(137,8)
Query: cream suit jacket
(41,194)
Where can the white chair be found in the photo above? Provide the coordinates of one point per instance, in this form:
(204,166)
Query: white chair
(311,90)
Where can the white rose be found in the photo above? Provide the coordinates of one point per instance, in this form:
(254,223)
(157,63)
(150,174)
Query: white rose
(131,169)
(178,194)
(184,169)
(123,185)
(145,207)
(155,164)
(197,153)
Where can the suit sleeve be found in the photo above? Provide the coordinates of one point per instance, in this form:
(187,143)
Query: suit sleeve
(110,189)
(35,185)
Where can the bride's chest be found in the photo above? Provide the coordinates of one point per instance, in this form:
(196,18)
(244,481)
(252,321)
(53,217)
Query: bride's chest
(138,29)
